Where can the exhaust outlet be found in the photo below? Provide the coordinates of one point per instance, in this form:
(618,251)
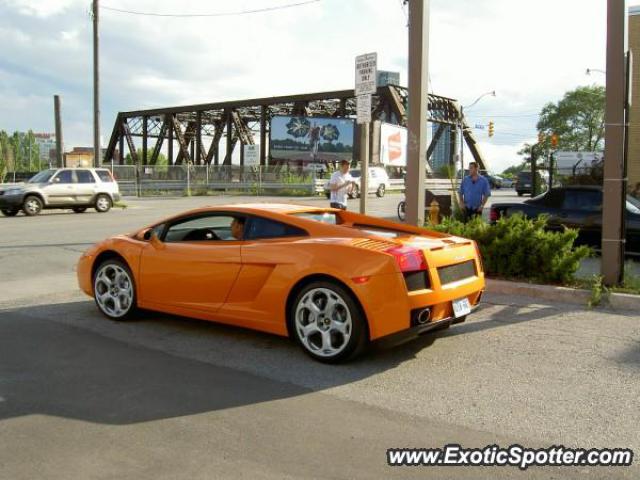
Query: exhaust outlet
(424,316)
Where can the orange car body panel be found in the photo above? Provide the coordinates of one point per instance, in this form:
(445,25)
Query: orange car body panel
(247,283)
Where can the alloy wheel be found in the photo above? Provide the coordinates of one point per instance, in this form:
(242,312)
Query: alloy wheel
(113,290)
(323,322)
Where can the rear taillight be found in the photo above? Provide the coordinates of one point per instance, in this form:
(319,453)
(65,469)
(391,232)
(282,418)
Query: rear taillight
(494,214)
(408,259)
(475,244)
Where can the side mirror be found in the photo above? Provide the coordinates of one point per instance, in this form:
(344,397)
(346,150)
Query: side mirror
(147,234)
(155,241)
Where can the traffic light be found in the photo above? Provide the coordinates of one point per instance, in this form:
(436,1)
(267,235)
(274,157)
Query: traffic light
(554,141)
(490,129)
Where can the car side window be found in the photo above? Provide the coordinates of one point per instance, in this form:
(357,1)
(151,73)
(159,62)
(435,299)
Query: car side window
(64,176)
(585,200)
(263,228)
(84,176)
(201,228)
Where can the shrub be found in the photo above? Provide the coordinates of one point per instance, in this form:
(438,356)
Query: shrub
(517,247)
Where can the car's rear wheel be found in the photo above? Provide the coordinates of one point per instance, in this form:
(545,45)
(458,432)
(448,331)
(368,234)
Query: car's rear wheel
(380,191)
(402,210)
(79,209)
(10,212)
(114,290)
(103,203)
(328,323)
(32,205)
(355,192)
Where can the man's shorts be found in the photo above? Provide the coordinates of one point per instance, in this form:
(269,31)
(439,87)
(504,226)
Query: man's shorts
(338,205)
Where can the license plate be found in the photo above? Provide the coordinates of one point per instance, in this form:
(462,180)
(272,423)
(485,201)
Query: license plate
(527,184)
(461,307)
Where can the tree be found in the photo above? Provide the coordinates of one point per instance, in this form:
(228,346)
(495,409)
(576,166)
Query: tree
(162,160)
(577,119)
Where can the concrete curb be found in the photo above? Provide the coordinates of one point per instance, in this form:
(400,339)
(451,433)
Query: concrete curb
(575,296)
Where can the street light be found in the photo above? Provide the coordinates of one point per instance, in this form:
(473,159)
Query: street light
(597,70)
(491,93)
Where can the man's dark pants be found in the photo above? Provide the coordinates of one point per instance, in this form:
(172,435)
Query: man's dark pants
(470,213)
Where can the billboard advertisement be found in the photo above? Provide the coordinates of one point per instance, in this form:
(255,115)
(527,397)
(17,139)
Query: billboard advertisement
(311,139)
(393,145)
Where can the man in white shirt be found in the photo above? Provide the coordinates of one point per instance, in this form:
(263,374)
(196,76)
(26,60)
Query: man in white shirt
(340,184)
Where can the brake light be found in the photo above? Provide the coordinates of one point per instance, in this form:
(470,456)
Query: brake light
(408,259)
(475,244)
(494,214)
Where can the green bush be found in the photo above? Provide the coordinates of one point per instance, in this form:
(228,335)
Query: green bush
(520,248)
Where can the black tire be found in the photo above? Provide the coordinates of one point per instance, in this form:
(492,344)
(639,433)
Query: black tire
(132,308)
(32,205)
(359,333)
(10,212)
(103,203)
(402,210)
(355,192)
(79,209)
(380,191)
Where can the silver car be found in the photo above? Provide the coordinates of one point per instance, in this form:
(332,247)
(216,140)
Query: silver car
(73,188)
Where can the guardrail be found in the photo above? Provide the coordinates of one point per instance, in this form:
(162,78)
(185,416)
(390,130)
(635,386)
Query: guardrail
(396,184)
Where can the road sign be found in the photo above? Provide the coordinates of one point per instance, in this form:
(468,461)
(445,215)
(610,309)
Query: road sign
(366,74)
(251,155)
(363,108)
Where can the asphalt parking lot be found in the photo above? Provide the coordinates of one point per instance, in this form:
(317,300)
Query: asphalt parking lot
(165,397)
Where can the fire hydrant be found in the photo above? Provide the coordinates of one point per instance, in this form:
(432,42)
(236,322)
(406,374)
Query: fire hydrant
(434,212)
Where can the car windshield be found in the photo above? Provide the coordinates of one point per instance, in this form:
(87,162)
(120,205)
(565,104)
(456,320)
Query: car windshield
(42,177)
(633,204)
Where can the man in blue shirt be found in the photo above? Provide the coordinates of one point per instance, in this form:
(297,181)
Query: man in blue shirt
(474,192)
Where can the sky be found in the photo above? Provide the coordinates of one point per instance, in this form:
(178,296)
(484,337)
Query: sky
(529,51)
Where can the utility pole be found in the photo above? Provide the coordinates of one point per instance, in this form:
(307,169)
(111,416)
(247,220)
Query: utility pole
(418,109)
(59,144)
(534,171)
(614,185)
(97,154)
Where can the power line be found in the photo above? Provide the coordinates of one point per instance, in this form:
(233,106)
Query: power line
(219,14)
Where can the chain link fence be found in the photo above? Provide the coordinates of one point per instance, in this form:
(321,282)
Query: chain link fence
(210,180)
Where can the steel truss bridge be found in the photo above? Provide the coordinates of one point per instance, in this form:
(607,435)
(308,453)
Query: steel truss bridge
(198,129)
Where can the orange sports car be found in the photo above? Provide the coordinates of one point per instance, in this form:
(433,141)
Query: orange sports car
(333,280)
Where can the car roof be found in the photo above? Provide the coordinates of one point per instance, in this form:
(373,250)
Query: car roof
(283,208)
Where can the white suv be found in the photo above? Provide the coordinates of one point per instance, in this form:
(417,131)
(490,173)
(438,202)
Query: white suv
(378,182)
(73,188)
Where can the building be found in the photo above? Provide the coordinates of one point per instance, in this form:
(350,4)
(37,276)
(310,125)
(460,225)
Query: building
(633,157)
(441,155)
(80,157)
(47,145)
(388,78)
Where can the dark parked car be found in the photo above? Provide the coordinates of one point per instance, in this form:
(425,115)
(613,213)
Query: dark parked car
(576,207)
(524,184)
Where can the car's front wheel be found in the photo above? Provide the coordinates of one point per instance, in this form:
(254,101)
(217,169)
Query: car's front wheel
(114,290)
(32,205)
(103,203)
(328,323)
(380,191)
(10,212)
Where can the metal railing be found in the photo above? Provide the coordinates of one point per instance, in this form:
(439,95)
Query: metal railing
(211,180)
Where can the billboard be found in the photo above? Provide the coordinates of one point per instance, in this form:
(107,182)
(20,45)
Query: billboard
(311,139)
(393,145)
